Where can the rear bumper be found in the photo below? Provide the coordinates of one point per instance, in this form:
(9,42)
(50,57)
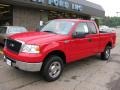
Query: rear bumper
(31,67)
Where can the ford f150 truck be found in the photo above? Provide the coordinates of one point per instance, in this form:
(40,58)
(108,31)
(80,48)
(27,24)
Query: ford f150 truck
(59,42)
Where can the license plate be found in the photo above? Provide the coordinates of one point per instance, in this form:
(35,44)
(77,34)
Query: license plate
(9,62)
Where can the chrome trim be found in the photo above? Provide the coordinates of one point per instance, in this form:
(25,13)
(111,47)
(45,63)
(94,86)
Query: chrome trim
(55,69)
(31,67)
(23,43)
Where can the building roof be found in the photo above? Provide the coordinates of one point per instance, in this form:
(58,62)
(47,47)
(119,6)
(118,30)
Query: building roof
(93,9)
(88,3)
(88,8)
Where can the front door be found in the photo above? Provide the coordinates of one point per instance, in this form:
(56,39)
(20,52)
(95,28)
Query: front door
(79,47)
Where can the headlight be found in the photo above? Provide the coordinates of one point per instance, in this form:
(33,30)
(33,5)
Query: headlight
(30,49)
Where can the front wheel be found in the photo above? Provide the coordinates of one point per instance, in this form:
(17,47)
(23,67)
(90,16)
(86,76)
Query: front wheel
(52,68)
(106,54)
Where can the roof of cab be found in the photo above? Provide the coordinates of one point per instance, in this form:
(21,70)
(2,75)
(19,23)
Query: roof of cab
(76,20)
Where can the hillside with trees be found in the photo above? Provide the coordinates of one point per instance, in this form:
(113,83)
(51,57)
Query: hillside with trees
(110,21)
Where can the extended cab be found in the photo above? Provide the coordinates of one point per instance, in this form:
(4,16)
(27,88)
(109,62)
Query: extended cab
(59,42)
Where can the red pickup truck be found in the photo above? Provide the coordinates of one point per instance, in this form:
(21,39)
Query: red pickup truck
(59,42)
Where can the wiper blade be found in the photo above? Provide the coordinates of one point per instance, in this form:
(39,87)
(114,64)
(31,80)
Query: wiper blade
(50,32)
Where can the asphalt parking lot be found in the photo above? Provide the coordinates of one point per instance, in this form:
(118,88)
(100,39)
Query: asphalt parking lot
(88,74)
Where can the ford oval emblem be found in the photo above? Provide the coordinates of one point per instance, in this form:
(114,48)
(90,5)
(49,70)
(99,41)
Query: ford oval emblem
(12,45)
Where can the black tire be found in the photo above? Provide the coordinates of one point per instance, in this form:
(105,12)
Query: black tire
(106,54)
(47,71)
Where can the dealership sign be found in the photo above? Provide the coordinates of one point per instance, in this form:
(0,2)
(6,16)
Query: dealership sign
(61,3)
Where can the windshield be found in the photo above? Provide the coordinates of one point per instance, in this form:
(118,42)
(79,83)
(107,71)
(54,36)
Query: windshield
(3,30)
(58,27)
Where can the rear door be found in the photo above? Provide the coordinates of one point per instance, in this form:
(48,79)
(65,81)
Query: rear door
(94,37)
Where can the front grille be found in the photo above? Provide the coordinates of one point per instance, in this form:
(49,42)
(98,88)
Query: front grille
(13,45)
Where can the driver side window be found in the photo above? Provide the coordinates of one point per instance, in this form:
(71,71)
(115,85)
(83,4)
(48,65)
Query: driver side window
(82,28)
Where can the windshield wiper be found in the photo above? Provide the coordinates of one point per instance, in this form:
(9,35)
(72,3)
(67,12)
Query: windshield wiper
(50,32)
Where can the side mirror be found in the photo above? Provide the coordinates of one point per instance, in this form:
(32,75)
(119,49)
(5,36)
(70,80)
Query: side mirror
(78,35)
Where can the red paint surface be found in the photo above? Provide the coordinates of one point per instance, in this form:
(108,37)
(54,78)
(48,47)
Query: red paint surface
(74,49)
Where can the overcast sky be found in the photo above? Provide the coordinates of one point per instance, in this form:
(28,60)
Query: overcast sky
(110,6)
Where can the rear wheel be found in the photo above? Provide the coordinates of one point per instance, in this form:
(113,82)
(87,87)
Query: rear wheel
(52,68)
(106,54)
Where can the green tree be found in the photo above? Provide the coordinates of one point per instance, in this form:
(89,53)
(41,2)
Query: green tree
(110,21)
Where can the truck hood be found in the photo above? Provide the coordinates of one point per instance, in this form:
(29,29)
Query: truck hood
(37,37)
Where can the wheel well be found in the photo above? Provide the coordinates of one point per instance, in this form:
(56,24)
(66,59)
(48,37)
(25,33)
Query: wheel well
(58,53)
(109,44)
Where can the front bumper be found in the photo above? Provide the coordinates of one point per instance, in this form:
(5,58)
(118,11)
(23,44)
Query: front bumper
(31,67)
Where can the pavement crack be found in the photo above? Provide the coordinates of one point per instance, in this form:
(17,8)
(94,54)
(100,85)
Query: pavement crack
(114,85)
(87,78)
(25,85)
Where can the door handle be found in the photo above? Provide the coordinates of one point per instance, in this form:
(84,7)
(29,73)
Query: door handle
(90,40)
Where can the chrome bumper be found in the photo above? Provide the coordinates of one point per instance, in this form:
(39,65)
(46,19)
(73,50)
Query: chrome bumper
(31,67)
